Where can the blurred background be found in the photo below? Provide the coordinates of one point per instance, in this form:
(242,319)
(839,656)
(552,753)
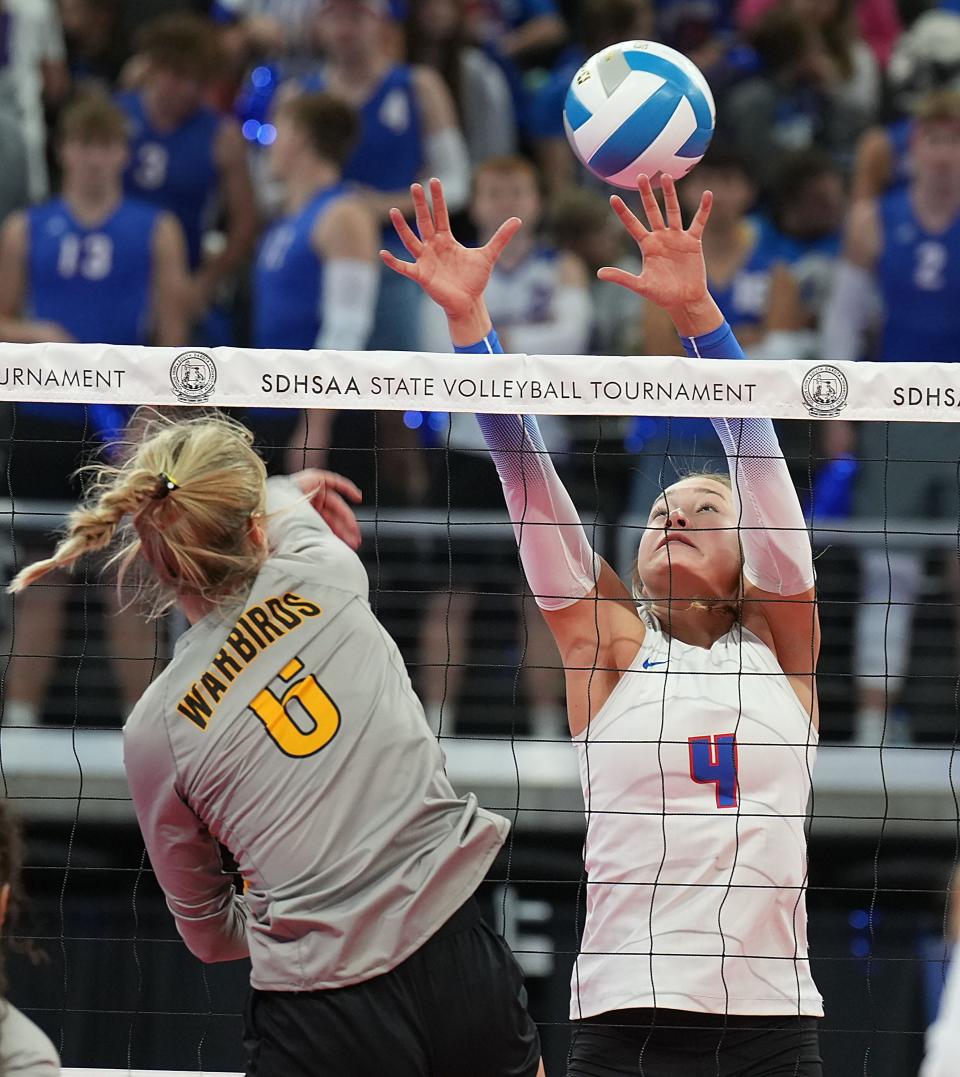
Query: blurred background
(165,173)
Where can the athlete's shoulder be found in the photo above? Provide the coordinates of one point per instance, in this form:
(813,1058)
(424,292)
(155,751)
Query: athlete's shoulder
(25,1049)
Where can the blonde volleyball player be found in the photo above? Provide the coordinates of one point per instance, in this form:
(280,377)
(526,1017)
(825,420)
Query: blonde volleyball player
(286,729)
(691,699)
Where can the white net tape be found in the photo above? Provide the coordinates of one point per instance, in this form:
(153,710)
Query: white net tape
(554,384)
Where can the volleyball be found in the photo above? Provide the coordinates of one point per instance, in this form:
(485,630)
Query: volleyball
(639,107)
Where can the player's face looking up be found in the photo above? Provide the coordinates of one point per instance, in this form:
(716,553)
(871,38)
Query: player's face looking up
(690,549)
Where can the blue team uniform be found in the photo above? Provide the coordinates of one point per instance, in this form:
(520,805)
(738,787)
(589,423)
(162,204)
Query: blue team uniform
(175,170)
(288,278)
(94,281)
(389,157)
(389,153)
(919,277)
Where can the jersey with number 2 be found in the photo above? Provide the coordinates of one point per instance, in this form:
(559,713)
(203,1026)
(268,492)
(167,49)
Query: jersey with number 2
(919,278)
(696,776)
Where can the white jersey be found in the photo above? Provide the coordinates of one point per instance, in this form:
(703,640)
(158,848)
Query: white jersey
(696,775)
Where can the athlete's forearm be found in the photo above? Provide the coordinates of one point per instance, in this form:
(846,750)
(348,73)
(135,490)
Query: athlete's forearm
(773,533)
(559,563)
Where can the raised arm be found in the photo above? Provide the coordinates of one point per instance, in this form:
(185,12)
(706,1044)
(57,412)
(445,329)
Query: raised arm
(777,559)
(562,570)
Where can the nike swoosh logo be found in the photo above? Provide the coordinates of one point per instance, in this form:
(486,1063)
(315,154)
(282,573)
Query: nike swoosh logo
(647,664)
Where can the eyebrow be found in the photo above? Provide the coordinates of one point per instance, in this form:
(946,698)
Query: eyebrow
(696,489)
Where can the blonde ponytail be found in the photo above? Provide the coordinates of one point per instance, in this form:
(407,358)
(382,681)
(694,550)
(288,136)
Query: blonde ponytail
(183,502)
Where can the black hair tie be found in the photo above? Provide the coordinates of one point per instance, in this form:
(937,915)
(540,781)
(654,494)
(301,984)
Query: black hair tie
(166,484)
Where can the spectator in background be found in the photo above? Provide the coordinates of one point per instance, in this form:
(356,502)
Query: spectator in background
(582,224)
(523,32)
(436,37)
(14,181)
(900,277)
(408,130)
(541,300)
(316,273)
(25,1051)
(97,45)
(268,27)
(808,202)
(93,266)
(602,23)
(32,57)
(796,101)
(754,289)
(186,158)
(926,58)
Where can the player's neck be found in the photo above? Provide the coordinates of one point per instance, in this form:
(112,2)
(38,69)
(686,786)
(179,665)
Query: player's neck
(91,205)
(194,608)
(694,625)
(305,180)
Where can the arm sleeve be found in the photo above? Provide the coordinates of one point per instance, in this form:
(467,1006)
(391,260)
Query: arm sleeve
(853,307)
(559,563)
(943,1036)
(567,333)
(350,288)
(210,916)
(773,533)
(447,159)
(296,529)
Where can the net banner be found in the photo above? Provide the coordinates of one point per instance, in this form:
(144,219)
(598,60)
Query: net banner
(555,384)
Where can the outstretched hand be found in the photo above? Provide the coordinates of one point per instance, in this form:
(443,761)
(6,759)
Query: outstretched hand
(673,274)
(452,275)
(329,493)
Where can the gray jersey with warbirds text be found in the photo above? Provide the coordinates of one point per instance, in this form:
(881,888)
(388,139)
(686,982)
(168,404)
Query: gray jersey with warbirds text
(288,731)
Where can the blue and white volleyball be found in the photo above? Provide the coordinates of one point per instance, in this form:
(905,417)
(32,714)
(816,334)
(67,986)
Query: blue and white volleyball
(639,107)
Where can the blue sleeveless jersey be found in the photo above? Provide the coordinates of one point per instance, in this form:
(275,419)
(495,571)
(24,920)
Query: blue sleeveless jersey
(389,155)
(175,170)
(94,281)
(743,299)
(918,274)
(288,278)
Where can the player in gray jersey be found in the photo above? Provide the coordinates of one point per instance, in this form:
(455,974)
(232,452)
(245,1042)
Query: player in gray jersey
(285,729)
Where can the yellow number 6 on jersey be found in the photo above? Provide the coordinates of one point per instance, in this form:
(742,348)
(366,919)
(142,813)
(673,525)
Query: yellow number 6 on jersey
(314,703)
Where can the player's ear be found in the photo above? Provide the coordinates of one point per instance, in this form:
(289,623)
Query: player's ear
(257,532)
(4,902)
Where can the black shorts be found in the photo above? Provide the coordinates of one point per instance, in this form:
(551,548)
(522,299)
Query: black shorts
(674,1043)
(455,1008)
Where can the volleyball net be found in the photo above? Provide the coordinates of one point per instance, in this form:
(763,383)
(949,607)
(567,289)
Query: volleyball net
(883,508)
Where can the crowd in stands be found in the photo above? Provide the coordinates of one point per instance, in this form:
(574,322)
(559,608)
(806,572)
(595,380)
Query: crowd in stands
(221,173)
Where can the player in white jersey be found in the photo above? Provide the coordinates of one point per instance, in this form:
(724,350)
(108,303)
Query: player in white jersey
(285,728)
(691,699)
